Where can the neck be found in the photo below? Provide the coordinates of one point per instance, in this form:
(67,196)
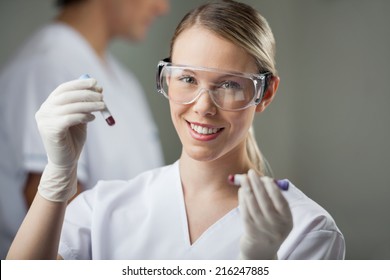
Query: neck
(212,176)
(88,19)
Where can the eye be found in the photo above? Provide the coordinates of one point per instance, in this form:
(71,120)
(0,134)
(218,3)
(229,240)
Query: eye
(230,85)
(187,79)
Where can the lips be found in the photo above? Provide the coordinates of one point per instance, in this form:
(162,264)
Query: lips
(204,132)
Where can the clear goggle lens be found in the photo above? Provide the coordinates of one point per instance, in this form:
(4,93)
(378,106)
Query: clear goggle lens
(229,91)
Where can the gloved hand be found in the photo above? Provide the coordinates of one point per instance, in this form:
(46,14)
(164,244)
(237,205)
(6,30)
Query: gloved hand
(62,122)
(266,215)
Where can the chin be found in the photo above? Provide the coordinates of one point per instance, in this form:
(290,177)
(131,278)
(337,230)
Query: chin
(201,155)
(131,36)
(137,35)
(138,38)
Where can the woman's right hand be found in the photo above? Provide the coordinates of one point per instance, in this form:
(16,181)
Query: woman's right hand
(62,122)
(62,119)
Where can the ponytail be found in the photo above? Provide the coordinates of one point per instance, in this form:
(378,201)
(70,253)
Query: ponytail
(260,164)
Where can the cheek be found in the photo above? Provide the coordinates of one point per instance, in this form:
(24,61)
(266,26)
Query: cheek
(126,15)
(240,124)
(176,112)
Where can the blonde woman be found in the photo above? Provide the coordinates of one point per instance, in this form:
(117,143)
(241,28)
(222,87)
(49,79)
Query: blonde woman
(219,75)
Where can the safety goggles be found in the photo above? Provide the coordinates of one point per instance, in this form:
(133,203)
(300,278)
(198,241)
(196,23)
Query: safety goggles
(230,91)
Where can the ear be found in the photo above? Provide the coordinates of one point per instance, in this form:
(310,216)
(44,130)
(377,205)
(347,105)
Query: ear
(269,94)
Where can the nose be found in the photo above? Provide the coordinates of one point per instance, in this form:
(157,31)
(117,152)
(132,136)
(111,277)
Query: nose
(162,7)
(204,105)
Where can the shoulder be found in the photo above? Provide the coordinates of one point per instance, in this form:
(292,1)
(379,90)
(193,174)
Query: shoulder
(49,39)
(307,212)
(315,234)
(125,74)
(47,55)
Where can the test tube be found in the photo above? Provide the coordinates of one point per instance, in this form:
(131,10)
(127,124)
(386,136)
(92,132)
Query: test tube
(105,113)
(236,180)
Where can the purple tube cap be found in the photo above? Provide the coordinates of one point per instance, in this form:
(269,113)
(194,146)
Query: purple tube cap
(282,184)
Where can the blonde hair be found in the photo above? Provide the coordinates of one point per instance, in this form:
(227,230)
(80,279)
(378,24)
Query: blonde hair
(260,163)
(242,25)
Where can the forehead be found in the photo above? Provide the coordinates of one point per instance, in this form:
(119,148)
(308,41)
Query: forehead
(200,47)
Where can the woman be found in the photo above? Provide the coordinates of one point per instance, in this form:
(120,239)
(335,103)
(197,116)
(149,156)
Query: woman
(221,71)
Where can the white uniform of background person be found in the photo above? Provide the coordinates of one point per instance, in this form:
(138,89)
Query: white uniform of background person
(52,56)
(145,218)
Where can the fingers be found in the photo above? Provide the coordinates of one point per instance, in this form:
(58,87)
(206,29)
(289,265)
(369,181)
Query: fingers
(58,124)
(267,193)
(52,110)
(80,107)
(71,104)
(261,194)
(77,96)
(250,200)
(263,199)
(242,194)
(75,85)
(280,204)
(75,119)
(266,216)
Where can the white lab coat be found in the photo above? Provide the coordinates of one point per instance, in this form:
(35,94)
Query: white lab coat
(53,55)
(145,218)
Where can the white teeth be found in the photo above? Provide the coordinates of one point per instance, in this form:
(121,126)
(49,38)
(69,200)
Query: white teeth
(204,130)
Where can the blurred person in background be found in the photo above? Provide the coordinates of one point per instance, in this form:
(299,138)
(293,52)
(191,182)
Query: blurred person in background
(75,43)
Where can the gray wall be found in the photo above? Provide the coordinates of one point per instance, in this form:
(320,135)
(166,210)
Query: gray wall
(328,128)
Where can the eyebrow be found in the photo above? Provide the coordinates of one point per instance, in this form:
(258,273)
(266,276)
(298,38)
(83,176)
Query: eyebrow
(185,70)
(223,76)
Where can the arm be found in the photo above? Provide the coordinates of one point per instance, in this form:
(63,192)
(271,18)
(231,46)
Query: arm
(61,122)
(39,235)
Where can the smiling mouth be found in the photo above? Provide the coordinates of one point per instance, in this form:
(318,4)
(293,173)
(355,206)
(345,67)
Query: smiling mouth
(204,130)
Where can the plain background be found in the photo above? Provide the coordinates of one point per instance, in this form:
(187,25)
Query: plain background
(328,128)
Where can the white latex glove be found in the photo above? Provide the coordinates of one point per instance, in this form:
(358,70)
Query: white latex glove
(266,215)
(62,122)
